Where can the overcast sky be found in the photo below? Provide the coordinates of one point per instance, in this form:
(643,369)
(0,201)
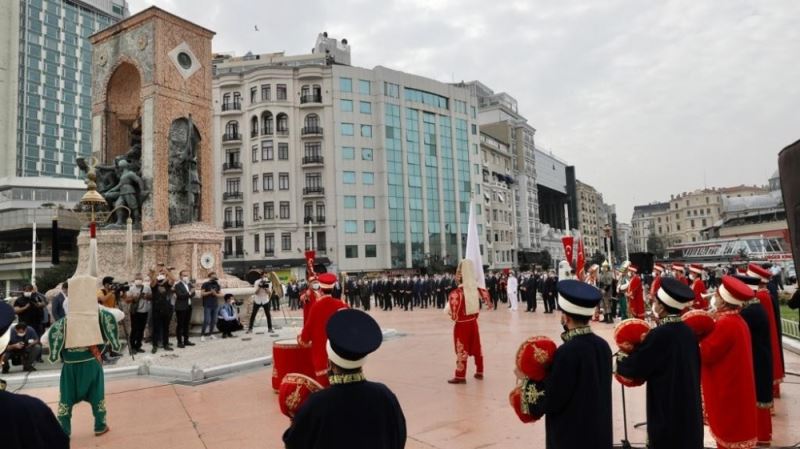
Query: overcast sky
(644,98)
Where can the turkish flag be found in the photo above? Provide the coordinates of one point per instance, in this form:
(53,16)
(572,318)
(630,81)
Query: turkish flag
(567,240)
(581,259)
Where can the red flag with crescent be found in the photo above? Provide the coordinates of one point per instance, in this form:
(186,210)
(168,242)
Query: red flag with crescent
(581,258)
(568,240)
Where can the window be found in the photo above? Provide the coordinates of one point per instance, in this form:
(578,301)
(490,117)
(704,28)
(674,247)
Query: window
(346,84)
(255,183)
(366,130)
(283,181)
(350,227)
(266,92)
(364,87)
(430,99)
(311,122)
(351,251)
(266,123)
(370,251)
(348,153)
(284,210)
(365,107)
(308,212)
(314,181)
(255,153)
(349,202)
(267,150)
(369,202)
(269,210)
(256,215)
(253,93)
(231,130)
(369,226)
(233,185)
(269,244)
(280,92)
(346,105)
(391,90)
(257,243)
(321,212)
(283,123)
(286,241)
(283,151)
(267,181)
(347,129)
(366,154)
(692,223)
(368,178)
(313,149)
(704,222)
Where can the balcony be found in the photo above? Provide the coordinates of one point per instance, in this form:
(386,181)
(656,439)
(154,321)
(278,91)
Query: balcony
(311,131)
(231,108)
(314,159)
(269,253)
(267,132)
(232,224)
(236,255)
(320,219)
(311,99)
(232,166)
(314,191)
(282,133)
(231,138)
(232,196)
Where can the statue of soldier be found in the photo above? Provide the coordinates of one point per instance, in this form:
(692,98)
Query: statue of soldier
(130,190)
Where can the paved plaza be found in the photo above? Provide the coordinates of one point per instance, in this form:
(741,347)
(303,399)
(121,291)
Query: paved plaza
(241,411)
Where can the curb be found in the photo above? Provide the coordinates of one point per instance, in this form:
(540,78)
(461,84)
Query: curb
(791,345)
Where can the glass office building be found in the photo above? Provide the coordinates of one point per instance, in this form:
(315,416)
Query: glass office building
(54,97)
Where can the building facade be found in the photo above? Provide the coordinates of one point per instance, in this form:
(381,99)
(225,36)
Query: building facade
(646,220)
(498,204)
(589,202)
(374,168)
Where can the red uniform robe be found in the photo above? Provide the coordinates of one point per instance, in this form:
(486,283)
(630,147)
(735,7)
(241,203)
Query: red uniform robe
(315,334)
(699,289)
(777,367)
(466,336)
(656,285)
(683,279)
(636,297)
(729,382)
(307,299)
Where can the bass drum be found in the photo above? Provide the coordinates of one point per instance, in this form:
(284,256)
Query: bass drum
(289,357)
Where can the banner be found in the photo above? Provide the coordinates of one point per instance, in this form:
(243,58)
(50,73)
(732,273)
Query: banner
(568,240)
(581,260)
(473,247)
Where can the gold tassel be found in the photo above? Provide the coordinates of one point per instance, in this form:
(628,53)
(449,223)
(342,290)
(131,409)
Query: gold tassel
(129,243)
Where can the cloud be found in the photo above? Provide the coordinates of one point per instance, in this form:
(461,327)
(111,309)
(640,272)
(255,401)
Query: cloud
(644,98)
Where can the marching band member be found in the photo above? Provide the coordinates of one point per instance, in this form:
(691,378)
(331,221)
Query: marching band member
(579,383)
(634,292)
(698,286)
(679,271)
(762,294)
(669,361)
(463,307)
(314,333)
(658,274)
(353,412)
(727,370)
(755,316)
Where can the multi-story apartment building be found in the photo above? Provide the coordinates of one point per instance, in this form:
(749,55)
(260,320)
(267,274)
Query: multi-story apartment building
(499,117)
(498,203)
(374,168)
(589,202)
(646,220)
(45,119)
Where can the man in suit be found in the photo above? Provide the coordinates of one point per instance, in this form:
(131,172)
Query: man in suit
(184,292)
(57,305)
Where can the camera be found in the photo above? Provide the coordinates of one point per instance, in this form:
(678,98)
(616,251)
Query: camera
(264,284)
(119,287)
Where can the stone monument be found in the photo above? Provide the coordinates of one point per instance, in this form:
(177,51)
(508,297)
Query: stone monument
(151,141)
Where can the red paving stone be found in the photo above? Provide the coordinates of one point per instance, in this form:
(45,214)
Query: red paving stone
(242,412)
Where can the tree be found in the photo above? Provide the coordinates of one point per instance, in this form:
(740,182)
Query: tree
(55,275)
(656,245)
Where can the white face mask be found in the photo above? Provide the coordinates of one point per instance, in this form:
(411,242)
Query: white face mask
(653,309)
(185,279)
(160,277)
(27,294)
(315,286)
(137,282)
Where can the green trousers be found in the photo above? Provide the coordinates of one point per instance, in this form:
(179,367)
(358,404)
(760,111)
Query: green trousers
(623,307)
(82,381)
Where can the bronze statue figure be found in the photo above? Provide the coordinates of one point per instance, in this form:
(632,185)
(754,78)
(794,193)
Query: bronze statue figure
(184,178)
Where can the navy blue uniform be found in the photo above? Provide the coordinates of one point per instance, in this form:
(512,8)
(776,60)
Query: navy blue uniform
(27,423)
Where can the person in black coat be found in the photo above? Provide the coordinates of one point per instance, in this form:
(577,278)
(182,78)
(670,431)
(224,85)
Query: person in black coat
(669,361)
(578,386)
(757,321)
(549,292)
(325,420)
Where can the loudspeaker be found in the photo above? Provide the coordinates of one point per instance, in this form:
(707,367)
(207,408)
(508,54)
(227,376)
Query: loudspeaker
(789,169)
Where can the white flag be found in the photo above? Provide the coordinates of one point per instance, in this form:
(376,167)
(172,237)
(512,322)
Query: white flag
(474,247)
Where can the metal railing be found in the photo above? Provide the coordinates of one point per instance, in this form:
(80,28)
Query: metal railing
(237,106)
(311,130)
(228,137)
(231,166)
(315,159)
(232,196)
(313,190)
(310,98)
(791,328)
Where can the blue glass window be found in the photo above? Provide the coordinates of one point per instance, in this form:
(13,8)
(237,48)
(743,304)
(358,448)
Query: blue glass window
(364,87)
(347,129)
(346,84)
(350,227)
(348,177)
(368,178)
(346,105)
(348,153)
(366,130)
(365,107)
(369,202)
(349,202)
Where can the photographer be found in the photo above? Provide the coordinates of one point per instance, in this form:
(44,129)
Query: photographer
(29,308)
(184,292)
(210,292)
(263,295)
(161,281)
(23,348)
(139,298)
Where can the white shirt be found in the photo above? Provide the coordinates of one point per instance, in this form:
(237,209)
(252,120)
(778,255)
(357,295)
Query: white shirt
(262,295)
(511,286)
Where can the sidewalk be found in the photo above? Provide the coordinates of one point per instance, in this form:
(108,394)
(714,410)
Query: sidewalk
(241,411)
